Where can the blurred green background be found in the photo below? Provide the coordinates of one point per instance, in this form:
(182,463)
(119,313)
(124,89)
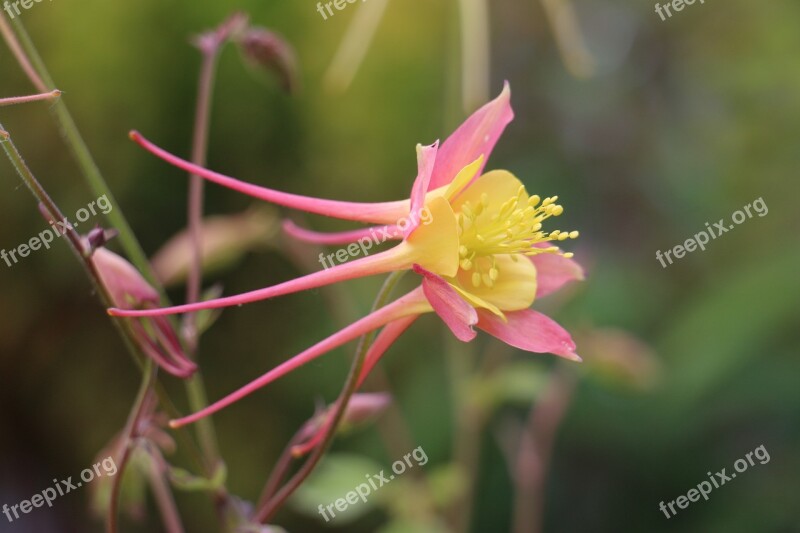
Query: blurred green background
(684,122)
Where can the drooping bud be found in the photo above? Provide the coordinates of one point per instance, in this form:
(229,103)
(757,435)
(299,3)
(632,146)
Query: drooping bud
(268,51)
(154,335)
(363,407)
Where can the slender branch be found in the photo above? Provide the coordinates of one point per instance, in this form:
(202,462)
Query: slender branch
(210,44)
(163,495)
(29,59)
(194,386)
(32,98)
(281,467)
(265,513)
(22,59)
(129,435)
(196,185)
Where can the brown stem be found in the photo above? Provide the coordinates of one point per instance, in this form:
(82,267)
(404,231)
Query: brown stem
(281,468)
(196,189)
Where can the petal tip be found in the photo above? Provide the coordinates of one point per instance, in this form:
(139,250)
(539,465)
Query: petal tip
(572,356)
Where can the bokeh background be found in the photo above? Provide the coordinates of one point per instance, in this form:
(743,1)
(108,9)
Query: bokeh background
(687,368)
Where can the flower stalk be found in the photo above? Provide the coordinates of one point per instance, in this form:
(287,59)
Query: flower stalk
(32,64)
(129,436)
(210,45)
(354,378)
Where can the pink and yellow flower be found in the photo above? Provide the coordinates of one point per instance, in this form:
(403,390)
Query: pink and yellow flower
(484,256)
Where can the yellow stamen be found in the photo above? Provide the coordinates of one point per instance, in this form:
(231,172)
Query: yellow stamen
(513,227)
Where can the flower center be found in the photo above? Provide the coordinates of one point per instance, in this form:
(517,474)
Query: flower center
(514,229)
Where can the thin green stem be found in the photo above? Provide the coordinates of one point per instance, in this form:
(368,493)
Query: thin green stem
(37,72)
(30,56)
(206,434)
(269,509)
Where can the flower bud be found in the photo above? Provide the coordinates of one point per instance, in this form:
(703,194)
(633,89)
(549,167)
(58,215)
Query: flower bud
(154,335)
(268,51)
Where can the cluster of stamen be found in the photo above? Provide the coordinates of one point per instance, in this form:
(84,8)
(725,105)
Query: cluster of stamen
(515,229)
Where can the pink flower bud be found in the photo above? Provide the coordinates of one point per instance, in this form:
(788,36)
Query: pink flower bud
(129,290)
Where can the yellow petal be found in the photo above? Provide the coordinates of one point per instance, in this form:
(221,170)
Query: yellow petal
(514,289)
(464,176)
(475,301)
(461,180)
(434,245)
(497,185)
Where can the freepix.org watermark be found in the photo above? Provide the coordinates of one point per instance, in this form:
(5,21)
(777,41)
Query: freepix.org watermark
(338,4)
(375,482)
(676,5)
(60,488)
(45,238)
(715,481)
(13,7)
(376,236)
(712,232)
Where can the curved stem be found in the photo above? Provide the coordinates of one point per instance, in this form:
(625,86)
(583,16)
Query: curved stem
(164,497)
(281,467)
(266,512)
(148,378)
(22,59)
(32,63)
(195,205)
(37,72)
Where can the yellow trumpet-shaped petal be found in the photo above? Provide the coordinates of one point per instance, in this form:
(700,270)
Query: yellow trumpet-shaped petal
(513,288)
(434,245)
(497,185)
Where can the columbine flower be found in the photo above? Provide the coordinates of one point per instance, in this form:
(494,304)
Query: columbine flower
(484,256)
(128,289)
